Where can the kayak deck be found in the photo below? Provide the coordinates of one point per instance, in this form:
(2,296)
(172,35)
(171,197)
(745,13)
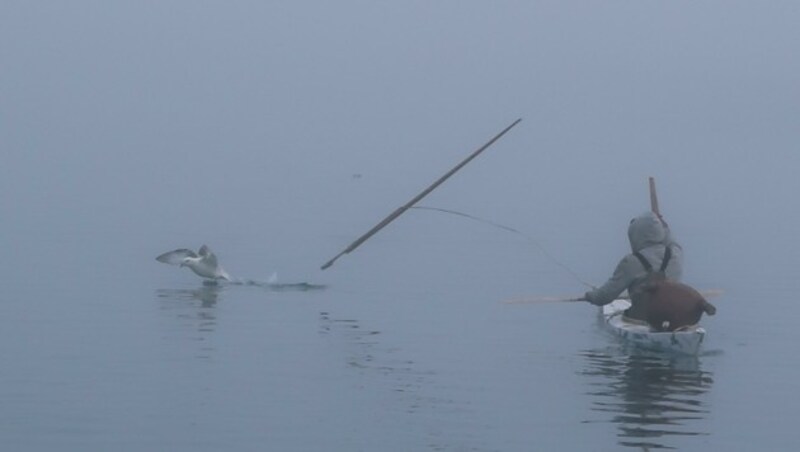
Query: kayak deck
(685,341)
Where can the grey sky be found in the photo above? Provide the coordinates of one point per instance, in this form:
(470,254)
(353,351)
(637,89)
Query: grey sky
(211,117)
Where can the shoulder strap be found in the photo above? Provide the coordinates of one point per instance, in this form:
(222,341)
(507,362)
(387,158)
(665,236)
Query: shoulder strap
(645,264)
(667,257)
(664,262)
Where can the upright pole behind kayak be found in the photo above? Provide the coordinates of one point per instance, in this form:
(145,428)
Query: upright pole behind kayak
(654,198)
(654,202)
(417,198)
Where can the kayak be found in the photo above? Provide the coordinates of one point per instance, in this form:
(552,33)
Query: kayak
(684,341)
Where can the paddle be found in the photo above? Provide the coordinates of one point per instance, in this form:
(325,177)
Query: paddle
(536,300)
(708,293)
(416,199)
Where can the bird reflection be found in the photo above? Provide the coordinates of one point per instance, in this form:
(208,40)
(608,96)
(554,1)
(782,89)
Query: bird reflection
(195,305)
(650,397)
(207,294)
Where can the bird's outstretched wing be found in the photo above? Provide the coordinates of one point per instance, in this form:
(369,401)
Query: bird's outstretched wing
(175,257)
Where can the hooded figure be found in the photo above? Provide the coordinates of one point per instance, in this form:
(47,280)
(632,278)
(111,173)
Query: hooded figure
(650,237)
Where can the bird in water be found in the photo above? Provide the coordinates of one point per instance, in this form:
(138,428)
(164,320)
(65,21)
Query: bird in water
(203,263)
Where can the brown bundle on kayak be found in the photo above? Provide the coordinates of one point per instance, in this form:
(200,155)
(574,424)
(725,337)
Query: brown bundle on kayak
(671,305)
(667,305)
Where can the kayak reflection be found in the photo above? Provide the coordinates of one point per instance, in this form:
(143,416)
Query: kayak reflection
(650,397)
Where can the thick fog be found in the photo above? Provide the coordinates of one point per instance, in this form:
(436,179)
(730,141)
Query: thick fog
(278,132)
(288,122)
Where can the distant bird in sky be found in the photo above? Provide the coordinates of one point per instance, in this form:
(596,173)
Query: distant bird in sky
(203,263)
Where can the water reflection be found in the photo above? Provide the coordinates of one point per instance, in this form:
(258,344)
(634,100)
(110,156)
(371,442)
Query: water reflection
(651,398)
(207,295)
(197,305)
(195,308)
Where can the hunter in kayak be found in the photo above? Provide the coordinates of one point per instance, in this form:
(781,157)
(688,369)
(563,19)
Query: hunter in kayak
(651,274)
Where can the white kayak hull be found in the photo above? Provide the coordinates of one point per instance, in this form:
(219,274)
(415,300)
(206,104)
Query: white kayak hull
(687,341)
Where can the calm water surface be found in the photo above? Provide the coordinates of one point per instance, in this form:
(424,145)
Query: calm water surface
(110,350)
